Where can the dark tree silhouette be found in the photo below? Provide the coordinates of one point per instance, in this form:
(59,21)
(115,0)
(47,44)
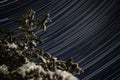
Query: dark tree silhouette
(20,59)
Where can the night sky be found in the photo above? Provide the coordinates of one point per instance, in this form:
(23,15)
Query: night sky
(86,30)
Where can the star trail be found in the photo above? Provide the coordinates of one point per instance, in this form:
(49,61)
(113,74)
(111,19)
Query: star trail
(86,30)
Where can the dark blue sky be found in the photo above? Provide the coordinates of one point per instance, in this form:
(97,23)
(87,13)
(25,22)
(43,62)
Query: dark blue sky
(87,30)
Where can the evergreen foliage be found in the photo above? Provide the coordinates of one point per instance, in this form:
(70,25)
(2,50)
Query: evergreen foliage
(20,59)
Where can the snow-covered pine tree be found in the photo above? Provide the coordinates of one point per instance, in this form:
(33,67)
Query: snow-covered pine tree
(20,59)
